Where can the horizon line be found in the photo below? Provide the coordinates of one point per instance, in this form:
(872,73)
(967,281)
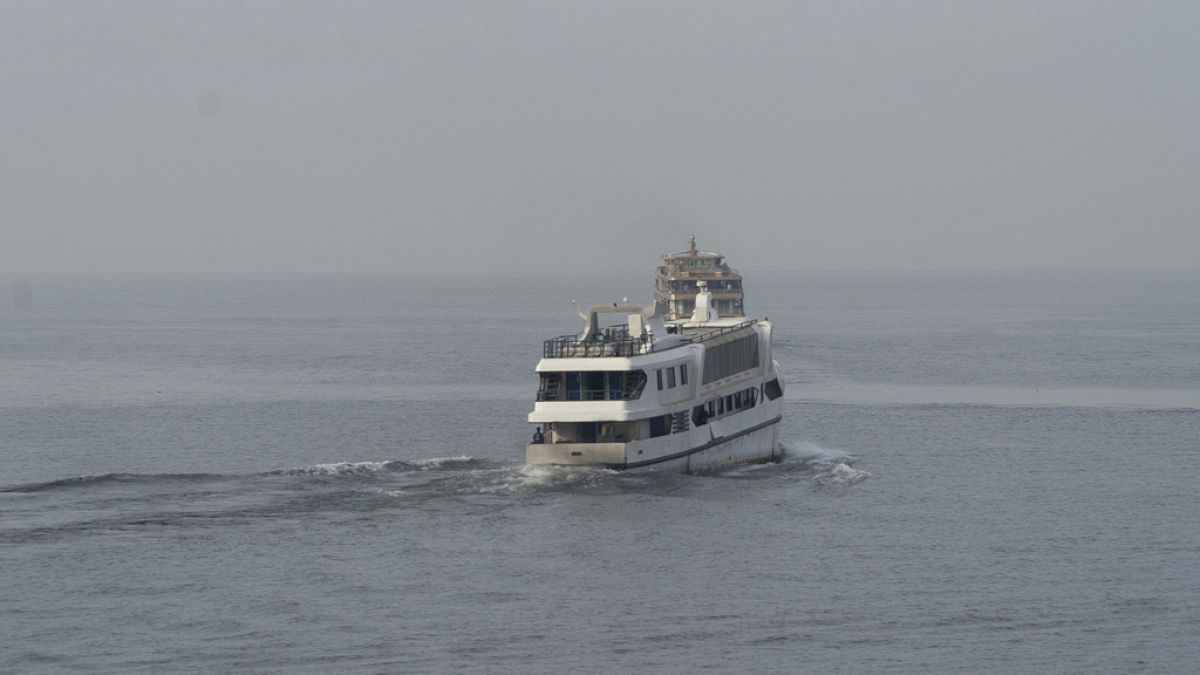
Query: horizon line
(15,277)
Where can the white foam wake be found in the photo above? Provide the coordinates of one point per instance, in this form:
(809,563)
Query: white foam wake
(459,463)
(540,475)
(441,462)
(840,474)
(831,467)
(336,469)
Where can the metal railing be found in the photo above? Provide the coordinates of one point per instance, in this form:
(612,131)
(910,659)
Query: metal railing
(568,346)
(586,395)
(723,331)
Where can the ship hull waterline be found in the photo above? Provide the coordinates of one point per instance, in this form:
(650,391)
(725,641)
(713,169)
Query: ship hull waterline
(756,444)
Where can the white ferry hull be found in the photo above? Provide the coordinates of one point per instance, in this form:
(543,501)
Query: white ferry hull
(701,452)
(760,445)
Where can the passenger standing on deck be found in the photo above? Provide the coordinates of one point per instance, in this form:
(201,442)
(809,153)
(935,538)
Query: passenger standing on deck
(538,437)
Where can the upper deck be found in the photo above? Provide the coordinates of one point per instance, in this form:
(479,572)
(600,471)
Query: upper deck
(688,280)
(613,341)
(616,341)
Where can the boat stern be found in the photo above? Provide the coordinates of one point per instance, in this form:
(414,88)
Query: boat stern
(610,455)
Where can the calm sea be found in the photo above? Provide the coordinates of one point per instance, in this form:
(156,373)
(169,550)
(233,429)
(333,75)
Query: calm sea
(991,472)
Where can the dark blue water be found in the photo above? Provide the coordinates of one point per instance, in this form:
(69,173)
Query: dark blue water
(985,472)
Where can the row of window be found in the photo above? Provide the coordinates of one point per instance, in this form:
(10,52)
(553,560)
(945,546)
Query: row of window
(670,376)
(726,405)
(730,403)
(730,354)
(662,425)
(592,386)
(692,287)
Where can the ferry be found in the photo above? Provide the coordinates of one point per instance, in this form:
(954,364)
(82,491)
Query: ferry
(685,384)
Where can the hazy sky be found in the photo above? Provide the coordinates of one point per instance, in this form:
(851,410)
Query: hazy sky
(368,139)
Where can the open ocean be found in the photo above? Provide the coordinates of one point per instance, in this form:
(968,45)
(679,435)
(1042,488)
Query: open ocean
(985,472)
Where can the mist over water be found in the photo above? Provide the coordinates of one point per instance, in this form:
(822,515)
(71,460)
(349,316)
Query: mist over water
(311,139)
(984,472)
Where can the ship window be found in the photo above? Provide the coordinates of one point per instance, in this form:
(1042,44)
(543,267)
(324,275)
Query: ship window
(772,390)
(731,403)
(592,384)
(622,385)
(659,374)
(671,378)
(615,383)
(660,426)
(683,373)
(587,432)
(550,386)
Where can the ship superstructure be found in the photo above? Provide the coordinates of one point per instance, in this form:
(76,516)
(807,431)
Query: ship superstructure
(659,392)
(676,283)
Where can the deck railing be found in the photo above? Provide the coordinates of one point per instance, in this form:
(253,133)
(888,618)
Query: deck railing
(570,346)
(621,344)
(723,331)
(583,395)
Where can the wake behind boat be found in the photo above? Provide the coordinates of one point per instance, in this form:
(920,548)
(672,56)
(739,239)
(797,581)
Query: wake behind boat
(685,384)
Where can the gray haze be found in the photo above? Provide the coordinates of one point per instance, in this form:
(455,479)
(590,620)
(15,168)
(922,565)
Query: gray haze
(364,139)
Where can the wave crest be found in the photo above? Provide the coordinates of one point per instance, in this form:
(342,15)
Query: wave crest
(840,474)
(460,463)
(110,479)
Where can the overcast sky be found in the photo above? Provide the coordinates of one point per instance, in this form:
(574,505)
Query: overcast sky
(380,139)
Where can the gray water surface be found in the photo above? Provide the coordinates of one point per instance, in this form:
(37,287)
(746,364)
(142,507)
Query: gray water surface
(985,472)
